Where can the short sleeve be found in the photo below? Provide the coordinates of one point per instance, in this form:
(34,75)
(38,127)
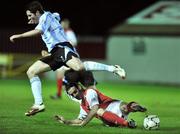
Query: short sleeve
(92,97)
(82,114)
(44,23)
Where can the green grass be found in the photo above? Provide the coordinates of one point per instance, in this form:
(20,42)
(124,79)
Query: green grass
(16,98)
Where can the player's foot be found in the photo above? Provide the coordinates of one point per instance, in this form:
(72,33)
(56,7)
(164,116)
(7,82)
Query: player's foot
(140,108)
(55,97)
(132,124)
(35,109)
(119,71)
(135,107)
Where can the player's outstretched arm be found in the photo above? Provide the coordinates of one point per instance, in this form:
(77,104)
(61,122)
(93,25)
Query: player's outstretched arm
(45,53)
(26,34)
(90,115)
(75,122)
(78,122)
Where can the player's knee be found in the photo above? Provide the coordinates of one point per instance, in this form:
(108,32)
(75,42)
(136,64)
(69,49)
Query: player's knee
(75,64)
(100,112)
(78,67)
(30,73)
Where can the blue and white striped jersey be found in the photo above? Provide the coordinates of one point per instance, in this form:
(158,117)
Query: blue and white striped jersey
(53,33)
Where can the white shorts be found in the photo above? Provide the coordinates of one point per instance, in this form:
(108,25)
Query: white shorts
(114,107)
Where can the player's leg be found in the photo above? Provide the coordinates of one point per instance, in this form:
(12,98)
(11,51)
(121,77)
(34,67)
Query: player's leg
(135,107)
(96,66)
(111,118)
(113,114)
(66,56)
(131,107)
(32,73)
(59,76)
(75,64)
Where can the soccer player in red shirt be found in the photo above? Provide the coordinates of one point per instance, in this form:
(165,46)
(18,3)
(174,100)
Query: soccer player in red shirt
(93,103)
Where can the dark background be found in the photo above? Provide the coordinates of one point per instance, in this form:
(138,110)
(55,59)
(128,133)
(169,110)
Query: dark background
(88,17)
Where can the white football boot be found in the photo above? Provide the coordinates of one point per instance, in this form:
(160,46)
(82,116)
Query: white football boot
(35,109)
(119,71)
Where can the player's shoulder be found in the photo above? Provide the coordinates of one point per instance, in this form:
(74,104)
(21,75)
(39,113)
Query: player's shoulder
(45,15)
(91,91)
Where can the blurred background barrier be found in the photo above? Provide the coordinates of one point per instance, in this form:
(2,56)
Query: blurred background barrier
(152,59)
(146,45)
(15,65)
(16,58)
(6,63)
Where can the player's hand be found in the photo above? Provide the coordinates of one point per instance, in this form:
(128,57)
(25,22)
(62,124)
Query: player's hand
(13,37)
(31,22)
(132,124)
(60,118)
(44,53)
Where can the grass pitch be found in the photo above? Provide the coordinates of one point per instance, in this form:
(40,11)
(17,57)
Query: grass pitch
(16,98)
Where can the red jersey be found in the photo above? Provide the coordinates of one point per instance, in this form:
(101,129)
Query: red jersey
(94,97)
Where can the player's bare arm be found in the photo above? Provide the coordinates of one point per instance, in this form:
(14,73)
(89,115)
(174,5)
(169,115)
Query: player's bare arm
(26,34)
(45,53)
(75,122)
(90,115)
(78,122)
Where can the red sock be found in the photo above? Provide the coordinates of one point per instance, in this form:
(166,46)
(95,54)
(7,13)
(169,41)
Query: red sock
(59,87)
(113,118)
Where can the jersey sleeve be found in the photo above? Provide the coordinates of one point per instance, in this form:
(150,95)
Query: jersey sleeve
(44,23)
(82,114)
(92,98)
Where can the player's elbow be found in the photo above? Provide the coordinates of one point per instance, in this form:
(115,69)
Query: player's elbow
(100,112)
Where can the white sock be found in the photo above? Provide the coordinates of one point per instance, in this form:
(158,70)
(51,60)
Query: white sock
(36,90)
(95,66)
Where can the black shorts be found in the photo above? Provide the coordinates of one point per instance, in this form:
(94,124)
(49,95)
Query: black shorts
(60,54)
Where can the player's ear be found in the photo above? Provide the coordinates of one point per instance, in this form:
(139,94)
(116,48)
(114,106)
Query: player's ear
(37,13)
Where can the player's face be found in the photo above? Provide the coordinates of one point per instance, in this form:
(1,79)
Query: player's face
(76,93)
(32,18)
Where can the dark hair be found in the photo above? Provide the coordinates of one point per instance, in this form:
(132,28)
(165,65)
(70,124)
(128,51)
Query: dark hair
(84,77)
(34,7)
(87,78)
(72,76)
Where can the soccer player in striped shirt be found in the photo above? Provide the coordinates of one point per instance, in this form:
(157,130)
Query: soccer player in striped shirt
(62,53)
